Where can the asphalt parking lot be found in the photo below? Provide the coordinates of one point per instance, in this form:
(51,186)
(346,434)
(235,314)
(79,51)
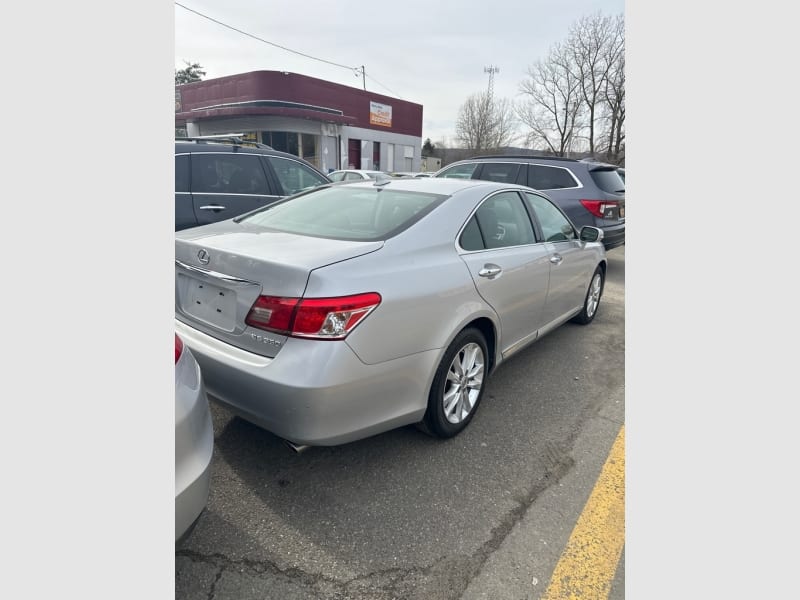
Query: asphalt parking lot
(402,515)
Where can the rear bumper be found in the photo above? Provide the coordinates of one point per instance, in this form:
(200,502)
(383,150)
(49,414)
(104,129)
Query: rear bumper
(613,236)
(315,393)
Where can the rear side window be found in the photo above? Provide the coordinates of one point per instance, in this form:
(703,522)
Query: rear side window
(463,171)
(550,178)
(503,172)
(182,173)
(228,174)
(608,180)
(294,176)
(500,222)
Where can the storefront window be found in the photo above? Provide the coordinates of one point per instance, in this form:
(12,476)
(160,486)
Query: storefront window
(304,145)
(277,139)
(309,147)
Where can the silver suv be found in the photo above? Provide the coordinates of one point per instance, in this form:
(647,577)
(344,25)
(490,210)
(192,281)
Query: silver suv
(589,192)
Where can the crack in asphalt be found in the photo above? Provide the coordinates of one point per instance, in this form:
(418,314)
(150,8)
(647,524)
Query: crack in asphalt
(213,586)
(446,578)
(293,574)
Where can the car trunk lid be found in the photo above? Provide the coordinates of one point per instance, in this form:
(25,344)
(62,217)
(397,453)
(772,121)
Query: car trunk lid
(222,269)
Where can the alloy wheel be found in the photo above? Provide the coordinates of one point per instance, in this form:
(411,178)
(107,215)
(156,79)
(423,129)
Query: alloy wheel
(463,384)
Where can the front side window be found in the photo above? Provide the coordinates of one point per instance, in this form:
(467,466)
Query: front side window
(294,176)
(345,212)
(541,177)
(228,174)
(500,222)
(555,226)
(463,171)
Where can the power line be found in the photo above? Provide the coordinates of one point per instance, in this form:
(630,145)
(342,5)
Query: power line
(356,70)
(383,86)
(255,37)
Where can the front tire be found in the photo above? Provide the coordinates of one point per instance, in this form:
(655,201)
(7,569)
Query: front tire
(458,385)
(592,301)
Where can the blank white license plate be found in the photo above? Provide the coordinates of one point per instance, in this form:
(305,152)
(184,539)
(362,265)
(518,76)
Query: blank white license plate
(210,303)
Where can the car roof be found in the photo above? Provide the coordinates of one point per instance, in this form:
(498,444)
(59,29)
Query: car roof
(357,171)
(434,185)
(185,146)
(590,163)
(212,146)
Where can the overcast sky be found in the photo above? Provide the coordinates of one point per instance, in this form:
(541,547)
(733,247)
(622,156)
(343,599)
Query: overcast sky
(433,53)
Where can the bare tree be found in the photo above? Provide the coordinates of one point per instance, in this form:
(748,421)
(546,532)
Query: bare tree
(595,47)
(614,95)
(484,124)
(552,102)
(503,131)
(472,124)
(574,100)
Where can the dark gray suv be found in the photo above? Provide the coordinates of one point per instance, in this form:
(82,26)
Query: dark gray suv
(589,192)
(221,178)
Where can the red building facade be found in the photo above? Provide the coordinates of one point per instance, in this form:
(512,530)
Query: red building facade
(330,125)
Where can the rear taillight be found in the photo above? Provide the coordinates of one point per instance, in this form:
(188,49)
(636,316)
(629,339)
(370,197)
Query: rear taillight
(178,348)
(318,318)
(598,207)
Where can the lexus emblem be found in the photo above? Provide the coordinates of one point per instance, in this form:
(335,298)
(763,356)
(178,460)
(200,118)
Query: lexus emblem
(203,256)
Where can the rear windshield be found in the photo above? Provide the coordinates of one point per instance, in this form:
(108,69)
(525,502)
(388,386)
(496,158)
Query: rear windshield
(347,212)
(608,181)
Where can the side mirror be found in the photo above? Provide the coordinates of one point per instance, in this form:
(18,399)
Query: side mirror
(591,234)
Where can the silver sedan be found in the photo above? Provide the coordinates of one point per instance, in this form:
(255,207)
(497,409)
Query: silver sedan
(347,311)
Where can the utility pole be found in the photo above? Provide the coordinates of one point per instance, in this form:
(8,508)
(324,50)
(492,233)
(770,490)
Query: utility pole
(363,73)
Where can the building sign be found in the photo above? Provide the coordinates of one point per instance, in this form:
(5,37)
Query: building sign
(380,114)
(177,99)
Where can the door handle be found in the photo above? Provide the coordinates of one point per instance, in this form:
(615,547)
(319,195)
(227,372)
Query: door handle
(214,207)
(556,258)
(490,271)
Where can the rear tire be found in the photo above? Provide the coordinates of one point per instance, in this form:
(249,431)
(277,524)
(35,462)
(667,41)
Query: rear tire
(458,385)
(592,301)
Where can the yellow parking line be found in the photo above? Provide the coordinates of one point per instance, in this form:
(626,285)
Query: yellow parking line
(589,560)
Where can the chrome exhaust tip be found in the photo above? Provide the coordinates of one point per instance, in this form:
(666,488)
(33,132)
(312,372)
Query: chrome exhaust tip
(294,447)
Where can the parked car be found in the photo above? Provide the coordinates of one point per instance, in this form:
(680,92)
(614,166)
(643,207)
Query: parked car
(355,175)
(621,171)
(194,441)
(410,174)
(589,192)
(217,178)
(350,310)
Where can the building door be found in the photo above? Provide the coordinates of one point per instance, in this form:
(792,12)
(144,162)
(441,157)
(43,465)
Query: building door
(376,156)
(353,154)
